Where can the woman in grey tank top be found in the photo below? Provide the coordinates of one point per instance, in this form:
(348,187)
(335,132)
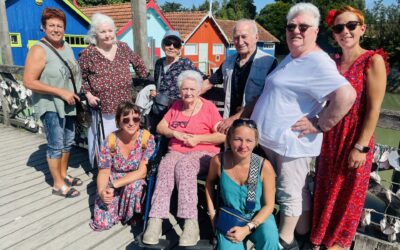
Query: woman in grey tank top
(53,97)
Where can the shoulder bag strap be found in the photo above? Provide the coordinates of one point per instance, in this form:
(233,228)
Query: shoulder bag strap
(145,138)
(62,59)
(252,182)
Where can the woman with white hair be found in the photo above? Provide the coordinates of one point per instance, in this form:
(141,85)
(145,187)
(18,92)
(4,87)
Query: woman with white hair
(106,75)
(291,130)
(191,125)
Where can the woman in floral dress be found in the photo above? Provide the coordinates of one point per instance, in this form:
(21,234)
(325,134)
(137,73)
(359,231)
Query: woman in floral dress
(346,156)
(122,169)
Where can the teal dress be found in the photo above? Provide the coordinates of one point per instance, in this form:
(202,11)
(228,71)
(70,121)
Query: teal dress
(234,195)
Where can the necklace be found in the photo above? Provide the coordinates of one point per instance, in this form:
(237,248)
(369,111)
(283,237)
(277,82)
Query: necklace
(183,124)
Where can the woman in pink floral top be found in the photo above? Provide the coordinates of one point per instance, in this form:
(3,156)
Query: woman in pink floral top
(122,170)
(106,75)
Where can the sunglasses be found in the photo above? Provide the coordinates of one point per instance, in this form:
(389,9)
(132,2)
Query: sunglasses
(302,27)
(247,122)
(182,124)
(338,28)
(126,120)
(168,42)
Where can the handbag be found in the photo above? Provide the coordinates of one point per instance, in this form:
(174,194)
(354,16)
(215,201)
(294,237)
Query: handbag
(161,102)
(160,105)
(228,217)
(83,113)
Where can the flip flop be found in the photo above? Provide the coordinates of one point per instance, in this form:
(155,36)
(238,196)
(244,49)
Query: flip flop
(72,192)
(75,181)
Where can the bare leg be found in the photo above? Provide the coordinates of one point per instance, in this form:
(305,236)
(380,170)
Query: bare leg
(64,164)
(303,225)
(335,247)
(55,170)
(287,226)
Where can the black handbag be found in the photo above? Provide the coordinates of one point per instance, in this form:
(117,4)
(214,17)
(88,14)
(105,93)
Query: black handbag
(228,217)
(83,113)
(160,105)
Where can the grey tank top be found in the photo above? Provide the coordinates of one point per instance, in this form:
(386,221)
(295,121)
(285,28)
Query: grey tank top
(56,74)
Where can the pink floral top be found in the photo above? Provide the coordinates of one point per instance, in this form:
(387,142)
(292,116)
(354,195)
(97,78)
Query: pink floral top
(111,81)
(131,163)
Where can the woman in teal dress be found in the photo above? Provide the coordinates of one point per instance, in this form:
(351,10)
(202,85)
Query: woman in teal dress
(232,175)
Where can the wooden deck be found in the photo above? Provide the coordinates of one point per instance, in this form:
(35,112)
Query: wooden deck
(32,218)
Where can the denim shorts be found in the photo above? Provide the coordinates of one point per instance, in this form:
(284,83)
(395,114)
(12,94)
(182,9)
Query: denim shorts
(60,133)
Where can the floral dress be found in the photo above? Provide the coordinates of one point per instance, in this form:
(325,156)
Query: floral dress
(128,199)
(340,192)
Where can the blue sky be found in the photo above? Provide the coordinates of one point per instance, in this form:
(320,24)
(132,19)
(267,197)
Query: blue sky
(259,3)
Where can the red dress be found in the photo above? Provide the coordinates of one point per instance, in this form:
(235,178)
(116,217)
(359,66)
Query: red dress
(339,191)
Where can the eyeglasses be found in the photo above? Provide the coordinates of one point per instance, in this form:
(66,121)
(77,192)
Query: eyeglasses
(126,120)
(302,27)
(177,44)
(182,124)
(247,122)
(338,28)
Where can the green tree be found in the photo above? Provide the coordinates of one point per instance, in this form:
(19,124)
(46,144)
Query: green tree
(237,9)
(273,18)
(172,6)
(205,6)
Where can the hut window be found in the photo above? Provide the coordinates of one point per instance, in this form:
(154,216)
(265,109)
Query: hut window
(190,49)
(76,41)
(218,49)
(269,46)
(15,40)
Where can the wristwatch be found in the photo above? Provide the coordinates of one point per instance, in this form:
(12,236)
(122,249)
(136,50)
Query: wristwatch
(251,226)
(362,149)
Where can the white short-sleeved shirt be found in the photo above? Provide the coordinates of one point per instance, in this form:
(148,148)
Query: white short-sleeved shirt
(298,87)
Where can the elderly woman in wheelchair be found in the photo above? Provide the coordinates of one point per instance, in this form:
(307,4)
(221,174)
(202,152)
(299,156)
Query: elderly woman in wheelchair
(190,124)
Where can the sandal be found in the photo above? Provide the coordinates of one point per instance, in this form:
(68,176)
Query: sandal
(72,192)
(75,181)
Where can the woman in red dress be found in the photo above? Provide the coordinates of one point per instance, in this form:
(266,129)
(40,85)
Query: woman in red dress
(347,150)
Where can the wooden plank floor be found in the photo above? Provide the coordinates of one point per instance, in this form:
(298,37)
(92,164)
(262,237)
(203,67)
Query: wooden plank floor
(32,218)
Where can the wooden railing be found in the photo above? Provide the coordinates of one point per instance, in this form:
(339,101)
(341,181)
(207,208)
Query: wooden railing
(389,119)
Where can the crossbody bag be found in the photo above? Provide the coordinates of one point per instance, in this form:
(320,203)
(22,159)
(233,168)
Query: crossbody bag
(83,115)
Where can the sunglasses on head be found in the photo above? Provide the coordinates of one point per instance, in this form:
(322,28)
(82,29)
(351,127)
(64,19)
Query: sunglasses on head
(126,120)
(182,124)
(302,27)
(338,28)
(177,44)
(247,122)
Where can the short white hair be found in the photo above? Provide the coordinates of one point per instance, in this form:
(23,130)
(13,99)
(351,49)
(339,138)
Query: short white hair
(190,75)
(302,8)
(252,23)
(97,20)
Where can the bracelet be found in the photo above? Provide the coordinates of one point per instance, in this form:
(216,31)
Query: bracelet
(256,223)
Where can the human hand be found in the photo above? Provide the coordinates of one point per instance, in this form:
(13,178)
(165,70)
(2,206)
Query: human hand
(107,195)
(68,96)
(93,100)
(153,93)
(237,234)
(225,124)
(180,136)
(191,140)
(356,158)
(306,126)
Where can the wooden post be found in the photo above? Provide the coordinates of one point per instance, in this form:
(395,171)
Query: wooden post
(5,48)
(140,29)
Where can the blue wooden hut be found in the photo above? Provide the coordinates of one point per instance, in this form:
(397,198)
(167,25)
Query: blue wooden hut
(24,25)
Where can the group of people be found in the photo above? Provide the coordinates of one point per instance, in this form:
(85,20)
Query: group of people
(306,106)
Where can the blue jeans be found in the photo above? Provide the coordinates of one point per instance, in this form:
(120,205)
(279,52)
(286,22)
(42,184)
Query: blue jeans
(60,133)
